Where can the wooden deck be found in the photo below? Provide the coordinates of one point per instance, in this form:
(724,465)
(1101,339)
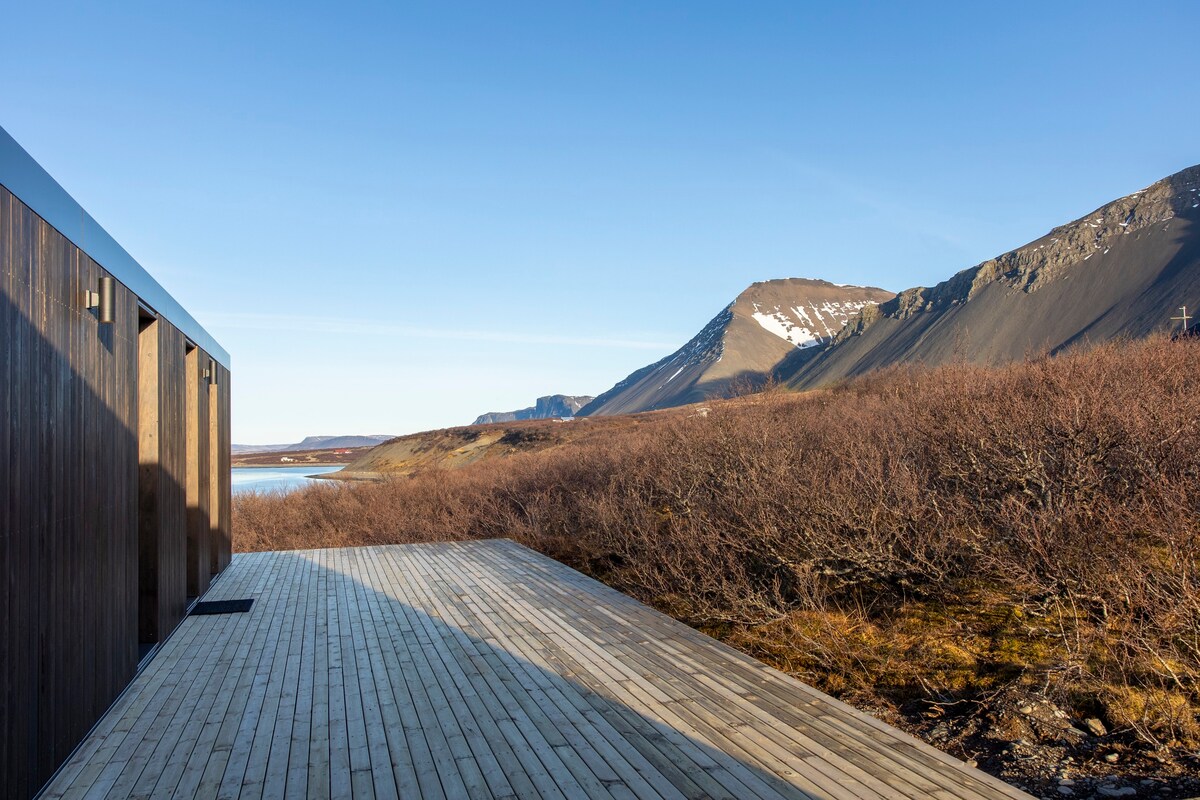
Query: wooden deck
(477,670)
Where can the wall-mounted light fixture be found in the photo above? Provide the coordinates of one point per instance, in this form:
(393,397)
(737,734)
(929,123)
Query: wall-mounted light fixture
(211,372)
(104,301)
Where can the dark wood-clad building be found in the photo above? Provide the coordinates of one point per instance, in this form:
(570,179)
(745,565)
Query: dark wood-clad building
(114,469)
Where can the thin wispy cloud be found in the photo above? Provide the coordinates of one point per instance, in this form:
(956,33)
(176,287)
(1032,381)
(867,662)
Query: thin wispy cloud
(368,327)
(903,215)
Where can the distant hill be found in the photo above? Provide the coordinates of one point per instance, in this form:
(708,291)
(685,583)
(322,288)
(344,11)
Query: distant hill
(1122,271)
(551,406)
(454,448)
(741,346)
(315,443)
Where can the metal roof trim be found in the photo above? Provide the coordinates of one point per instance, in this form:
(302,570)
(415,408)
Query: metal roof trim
(25,178)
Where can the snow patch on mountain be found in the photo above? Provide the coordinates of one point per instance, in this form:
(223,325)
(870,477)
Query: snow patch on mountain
(806,326)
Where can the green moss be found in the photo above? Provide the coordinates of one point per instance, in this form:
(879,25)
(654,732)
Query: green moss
(961,649)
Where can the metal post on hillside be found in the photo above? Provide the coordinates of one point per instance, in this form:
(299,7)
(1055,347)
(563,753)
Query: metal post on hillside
(1183,319)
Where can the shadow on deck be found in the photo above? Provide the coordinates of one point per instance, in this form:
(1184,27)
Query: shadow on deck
(477,669)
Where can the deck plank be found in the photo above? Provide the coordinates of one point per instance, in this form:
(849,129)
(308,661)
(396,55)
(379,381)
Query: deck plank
(479,670)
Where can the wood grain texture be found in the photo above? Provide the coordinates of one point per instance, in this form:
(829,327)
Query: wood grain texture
(172,502)
(224,477)
(69,498)
(220,454)
(477,669)
(150,479)
(199,474)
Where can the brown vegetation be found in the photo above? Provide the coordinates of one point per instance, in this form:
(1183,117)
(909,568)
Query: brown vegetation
(466,446)
(928,536)
(300,458)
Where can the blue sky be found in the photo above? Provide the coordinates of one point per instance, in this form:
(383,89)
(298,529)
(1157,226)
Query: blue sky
(398,216)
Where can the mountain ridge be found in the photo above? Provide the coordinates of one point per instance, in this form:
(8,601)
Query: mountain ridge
(738,349)
(316,443)
(546,407)
(1116,271)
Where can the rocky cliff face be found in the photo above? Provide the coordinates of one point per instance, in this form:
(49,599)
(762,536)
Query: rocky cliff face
(548,407)
(740,346)
(1122,270)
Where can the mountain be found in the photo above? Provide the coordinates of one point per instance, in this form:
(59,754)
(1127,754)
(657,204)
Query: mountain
(332,442)
(315,443)
(550,406)
(741,346)
(241,449)
(1122,271)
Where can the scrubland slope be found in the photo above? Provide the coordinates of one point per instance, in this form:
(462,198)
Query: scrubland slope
(938,544)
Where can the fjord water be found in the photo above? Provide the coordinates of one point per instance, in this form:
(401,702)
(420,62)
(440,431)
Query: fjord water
(275,479)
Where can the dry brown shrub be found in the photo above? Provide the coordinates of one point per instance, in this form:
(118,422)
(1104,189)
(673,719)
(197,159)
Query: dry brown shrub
(1066,489)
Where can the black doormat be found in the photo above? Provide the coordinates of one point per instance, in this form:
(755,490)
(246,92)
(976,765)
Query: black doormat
(222,607)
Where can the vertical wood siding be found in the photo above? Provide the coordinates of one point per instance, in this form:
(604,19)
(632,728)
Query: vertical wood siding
(199,470)
(221,540)
(172,506)
(69,496)
(150,478)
